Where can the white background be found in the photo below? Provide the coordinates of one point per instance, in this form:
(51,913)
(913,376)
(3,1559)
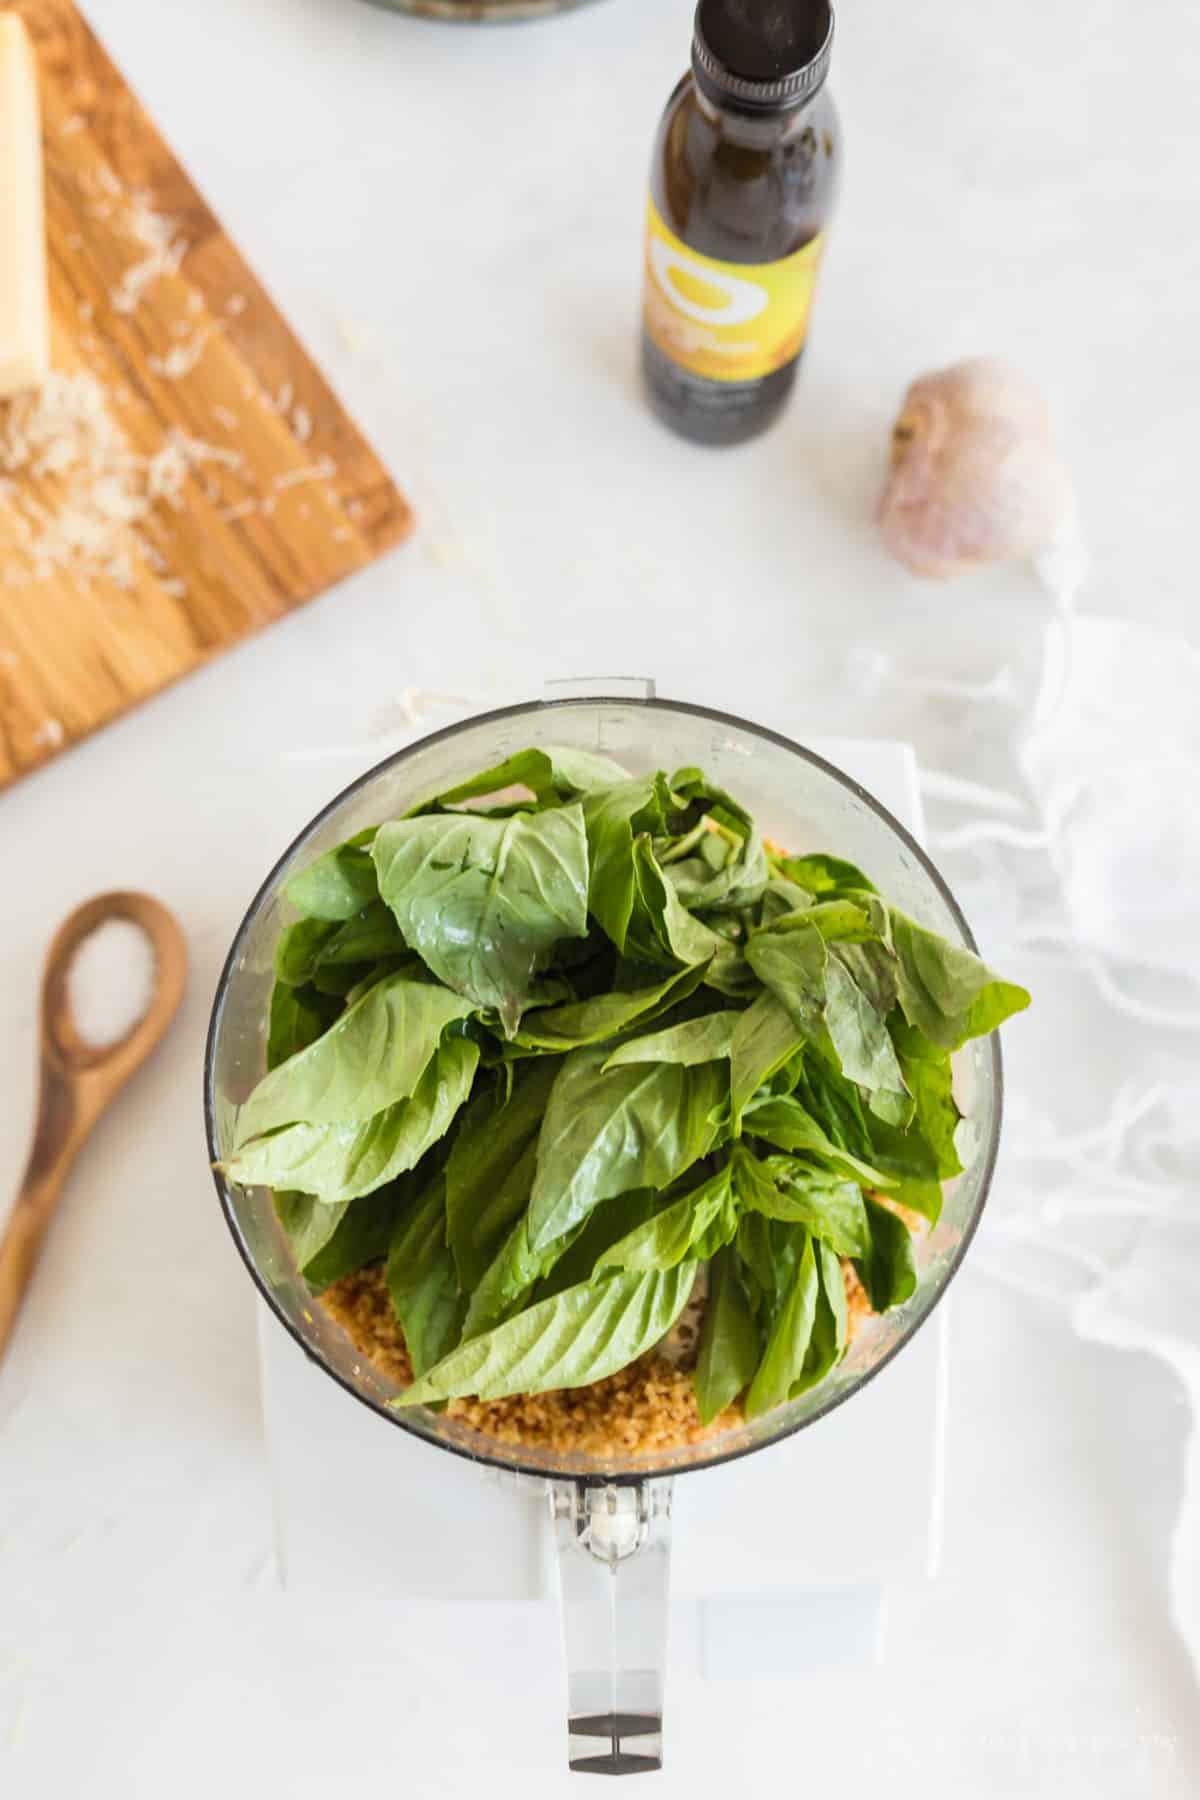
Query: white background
(452,220)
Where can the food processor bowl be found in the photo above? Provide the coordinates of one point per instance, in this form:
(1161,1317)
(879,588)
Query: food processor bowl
(612,1517)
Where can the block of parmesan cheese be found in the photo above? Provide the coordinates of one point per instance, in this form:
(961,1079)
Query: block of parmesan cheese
(24,308)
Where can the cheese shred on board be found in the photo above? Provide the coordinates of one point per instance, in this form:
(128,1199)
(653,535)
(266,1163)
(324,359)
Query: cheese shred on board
(83,491)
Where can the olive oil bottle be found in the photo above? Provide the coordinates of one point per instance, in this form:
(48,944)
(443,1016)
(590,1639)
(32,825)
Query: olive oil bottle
(742,186)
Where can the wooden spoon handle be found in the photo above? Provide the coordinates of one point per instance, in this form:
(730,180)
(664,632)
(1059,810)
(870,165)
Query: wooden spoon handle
(56,1142)
(77,1079)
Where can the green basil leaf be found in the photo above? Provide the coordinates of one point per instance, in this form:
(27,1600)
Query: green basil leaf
(946,992)
(577,1337)
(826,1003)
(888,1268)
(421,1281)
(930,1081)
(660,927)
(780,1120)
(298,949)
(733,879)
(608,1132)
(510,1278)
(339,884)
(370,937)
(828,1341)
(729,1343)
(552,775)
(838,921)
(823,875)
(783,1187)
(582,1251)
(708,1039)
(484,901)
(371,1057)
(674,1232)
(606,1016)
(489,1174)
(362,1234)
(783,900)
(310,1225)
(764,1039)
(298,1017)
(612,818)
(788,1339)
(343,1161)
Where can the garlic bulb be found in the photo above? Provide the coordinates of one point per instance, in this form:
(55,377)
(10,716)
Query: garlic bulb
(975,475)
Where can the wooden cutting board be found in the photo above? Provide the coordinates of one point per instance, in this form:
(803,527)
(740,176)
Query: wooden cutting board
(187,476)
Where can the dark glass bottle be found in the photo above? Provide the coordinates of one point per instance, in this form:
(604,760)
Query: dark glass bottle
(741,188)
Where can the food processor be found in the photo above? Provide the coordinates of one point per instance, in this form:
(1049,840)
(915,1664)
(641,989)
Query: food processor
(612,1518)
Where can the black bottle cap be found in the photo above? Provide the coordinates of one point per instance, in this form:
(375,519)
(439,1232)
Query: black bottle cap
(761,55)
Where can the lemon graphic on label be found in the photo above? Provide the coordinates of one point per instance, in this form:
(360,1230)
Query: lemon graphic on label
(703,293)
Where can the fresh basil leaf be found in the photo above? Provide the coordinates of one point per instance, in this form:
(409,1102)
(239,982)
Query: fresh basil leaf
(309,1225)
(484,901)
(371,1057)
(370,937)
(838,921)
(363,1233)
(676,1230)
(783,899)
(729,1343)
(827,1005)
(598,1020)
(823,875)
(608,1132)
(768,1250)
(930,1080)
(298,949)
(612,818)
(577,1337)
(421,1281)
(764,1039)
(339,884)
(728,867)
(510,1278)
(791,964)
(783,1187)
(342,1161)
(298,1017)
(788,1339)
(490,1170)
(888,1268)
(728,972)
(780,1120)
(828,1340)
(551,775)
(859,1033)
(707,1039)
(660,927)
(587,1246)
(945,991)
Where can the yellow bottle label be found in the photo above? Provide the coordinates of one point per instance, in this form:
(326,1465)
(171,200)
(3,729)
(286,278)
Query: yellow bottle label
(727,321)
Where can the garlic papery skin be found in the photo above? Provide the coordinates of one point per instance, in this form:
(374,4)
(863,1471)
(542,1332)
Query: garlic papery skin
(975,476)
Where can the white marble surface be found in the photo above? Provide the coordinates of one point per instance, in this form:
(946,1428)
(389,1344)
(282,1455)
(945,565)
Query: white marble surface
(452,221)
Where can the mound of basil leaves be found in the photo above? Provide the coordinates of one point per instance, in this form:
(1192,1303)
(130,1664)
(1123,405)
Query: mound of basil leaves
(549,1056)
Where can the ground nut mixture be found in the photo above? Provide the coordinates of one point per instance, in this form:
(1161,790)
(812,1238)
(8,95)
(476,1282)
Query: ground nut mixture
(648,1407)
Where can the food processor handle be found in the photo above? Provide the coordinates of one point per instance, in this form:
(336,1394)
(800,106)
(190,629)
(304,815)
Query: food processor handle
(614,1558)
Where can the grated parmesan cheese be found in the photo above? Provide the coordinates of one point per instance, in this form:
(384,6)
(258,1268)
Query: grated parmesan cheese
(94,490)
(157,236)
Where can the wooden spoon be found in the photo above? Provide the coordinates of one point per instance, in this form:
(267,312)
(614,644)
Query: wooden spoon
(78,1079)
